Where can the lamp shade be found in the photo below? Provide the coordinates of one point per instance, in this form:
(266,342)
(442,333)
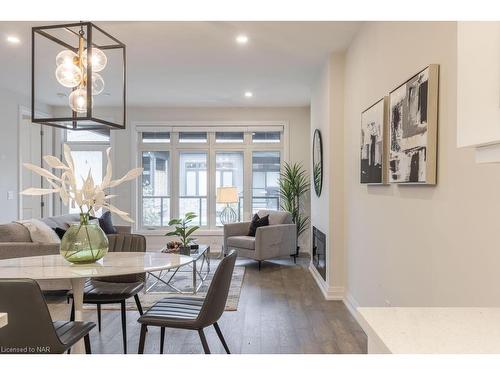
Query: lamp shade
(227,195)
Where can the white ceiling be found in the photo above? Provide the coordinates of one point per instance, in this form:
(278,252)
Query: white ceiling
(199,63)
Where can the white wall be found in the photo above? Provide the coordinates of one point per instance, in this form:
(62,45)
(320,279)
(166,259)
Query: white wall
(10,103)
(327,210)
(417,245)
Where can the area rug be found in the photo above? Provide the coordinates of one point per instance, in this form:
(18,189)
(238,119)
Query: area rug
(183,282)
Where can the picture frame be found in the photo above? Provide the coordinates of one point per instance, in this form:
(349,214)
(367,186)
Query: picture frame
(413,125)
(373,154)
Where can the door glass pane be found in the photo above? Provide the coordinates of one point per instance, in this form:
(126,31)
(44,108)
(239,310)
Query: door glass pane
(229,172)
(86,161)
(193,185)
(155,189)
(101,135)
(265,185)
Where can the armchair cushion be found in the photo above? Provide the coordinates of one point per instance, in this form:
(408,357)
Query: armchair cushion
(257,222)
(276,217)
(242,242)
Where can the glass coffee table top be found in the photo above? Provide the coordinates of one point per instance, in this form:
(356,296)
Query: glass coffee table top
(199,268)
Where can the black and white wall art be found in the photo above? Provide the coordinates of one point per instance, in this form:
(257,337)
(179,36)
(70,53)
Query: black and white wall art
(373,144)
(413,118)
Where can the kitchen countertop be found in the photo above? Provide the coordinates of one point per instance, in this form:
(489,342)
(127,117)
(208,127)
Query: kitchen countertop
(439,330)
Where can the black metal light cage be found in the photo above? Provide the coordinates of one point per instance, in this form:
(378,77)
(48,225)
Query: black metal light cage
(89,120)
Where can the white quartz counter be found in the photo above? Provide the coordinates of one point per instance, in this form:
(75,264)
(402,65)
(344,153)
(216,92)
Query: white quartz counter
(423,330)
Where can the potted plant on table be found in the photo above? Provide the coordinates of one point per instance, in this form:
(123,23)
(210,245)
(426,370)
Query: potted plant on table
(184,230)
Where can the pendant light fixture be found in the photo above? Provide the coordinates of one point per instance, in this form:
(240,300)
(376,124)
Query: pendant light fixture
(80,71)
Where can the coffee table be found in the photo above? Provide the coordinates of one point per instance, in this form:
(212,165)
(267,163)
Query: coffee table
(199,268)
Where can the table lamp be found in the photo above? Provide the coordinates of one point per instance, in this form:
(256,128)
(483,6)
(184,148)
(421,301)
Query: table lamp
(227,195)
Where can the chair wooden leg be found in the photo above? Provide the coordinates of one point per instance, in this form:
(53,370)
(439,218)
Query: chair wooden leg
(260,263)
(124,326)
(204,341)
(142,339)
(72,314)
(221,337)
(99,316)
(162,339)
(86,339)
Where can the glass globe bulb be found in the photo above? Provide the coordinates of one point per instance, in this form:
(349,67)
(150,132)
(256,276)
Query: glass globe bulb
(69,75)
(78,100)
(99,60)
(97,84)
(66,57)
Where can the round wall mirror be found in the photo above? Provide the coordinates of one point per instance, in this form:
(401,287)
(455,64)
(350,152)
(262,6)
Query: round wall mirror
(317,162)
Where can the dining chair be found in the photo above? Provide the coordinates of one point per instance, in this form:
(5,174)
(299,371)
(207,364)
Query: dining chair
(30,329)
(191,312)
(116,289)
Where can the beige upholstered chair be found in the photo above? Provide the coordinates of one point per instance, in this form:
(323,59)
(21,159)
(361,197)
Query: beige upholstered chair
(276,240)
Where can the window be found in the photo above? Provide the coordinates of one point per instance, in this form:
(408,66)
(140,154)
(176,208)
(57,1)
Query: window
(265,184)
(183,168)
(192,137)
(155,189)
(266,137)
(156,137)
(88,149)
(229,137)
(229,172)
(193,185)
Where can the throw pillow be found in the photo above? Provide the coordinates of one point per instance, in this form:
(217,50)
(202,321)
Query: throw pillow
(256,223)
(106,224)
(60,232)
(40,232)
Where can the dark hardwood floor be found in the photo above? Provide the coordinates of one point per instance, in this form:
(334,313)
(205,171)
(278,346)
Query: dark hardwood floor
(281,310)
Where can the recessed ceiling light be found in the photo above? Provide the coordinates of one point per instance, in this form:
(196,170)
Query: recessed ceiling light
(13,39)
(248,94)
(242,39)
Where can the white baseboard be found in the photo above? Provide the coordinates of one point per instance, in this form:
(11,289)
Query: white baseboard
(331,293)
(352,305)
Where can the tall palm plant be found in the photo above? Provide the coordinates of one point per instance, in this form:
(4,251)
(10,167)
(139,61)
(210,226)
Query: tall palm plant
(294,185)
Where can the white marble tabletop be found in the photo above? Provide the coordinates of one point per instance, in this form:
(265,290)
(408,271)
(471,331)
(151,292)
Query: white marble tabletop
(3,319)
(120,263)
(51,267)
(425,330)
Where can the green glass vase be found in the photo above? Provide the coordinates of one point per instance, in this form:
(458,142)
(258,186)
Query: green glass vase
(84,242)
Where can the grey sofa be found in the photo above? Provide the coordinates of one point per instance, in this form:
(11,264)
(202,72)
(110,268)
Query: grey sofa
(276,240)
(15,242)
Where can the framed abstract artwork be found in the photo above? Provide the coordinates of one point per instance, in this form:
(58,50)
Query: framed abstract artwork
(374,143)
(413,117)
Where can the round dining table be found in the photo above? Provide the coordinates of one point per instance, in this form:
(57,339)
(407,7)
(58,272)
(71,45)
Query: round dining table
(55,267)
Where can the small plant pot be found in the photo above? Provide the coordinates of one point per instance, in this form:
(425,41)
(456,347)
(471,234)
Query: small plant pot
(185,250)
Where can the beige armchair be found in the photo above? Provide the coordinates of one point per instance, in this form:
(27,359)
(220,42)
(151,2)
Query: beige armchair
(276,240)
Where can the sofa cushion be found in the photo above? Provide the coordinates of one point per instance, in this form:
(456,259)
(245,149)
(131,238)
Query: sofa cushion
(256,223)
(14,232)
(106,224)
(40,232)
(276,217)
(62,221)
(242,242)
